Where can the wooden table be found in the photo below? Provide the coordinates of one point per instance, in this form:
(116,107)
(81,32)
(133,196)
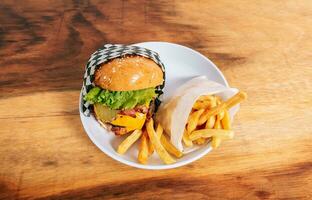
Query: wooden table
(262,47)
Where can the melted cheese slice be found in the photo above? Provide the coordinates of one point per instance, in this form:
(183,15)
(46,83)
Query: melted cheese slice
(130,123)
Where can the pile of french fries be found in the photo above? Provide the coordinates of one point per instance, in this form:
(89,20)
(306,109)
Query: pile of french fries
(151,140)
(209,121)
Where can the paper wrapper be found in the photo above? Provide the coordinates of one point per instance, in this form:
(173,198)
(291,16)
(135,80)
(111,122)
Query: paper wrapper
(174,112)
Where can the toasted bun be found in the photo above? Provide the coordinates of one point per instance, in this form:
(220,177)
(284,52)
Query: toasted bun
(128,73)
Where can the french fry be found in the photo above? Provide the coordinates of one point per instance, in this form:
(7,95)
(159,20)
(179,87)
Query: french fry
(126,144)
(202,118)
(216,141)
(221,113)
(201,105)
(193,120)
(217,124)
(213,102)
(240,96)
(237,98)
(200,141)
(226,121)
(143,150)
(169,147)
(150,147)
(206,133)
(210,122)
(163,154)
(159,132)
(186,140)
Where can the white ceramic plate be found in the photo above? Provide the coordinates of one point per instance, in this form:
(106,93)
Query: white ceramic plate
(182,64)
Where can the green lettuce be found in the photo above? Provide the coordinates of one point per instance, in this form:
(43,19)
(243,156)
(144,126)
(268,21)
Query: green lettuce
(120,99)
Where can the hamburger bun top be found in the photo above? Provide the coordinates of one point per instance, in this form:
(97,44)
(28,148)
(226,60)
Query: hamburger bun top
(128,73)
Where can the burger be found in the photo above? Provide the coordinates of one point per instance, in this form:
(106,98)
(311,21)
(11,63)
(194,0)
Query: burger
(125,92)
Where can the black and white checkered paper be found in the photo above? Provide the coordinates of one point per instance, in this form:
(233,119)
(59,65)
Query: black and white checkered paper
(106,53)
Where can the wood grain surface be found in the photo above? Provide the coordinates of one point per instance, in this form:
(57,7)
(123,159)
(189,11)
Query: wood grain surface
(262,47)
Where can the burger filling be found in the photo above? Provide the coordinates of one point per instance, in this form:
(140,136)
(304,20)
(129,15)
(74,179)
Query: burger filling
(124,110)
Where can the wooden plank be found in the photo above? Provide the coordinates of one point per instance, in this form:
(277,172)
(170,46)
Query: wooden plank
(262,48)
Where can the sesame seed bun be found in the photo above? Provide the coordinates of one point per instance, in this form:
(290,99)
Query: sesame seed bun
(128,73)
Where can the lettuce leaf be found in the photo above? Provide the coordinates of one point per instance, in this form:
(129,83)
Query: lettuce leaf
(120,99)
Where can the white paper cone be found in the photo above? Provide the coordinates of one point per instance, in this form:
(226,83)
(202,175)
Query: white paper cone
(174,112)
